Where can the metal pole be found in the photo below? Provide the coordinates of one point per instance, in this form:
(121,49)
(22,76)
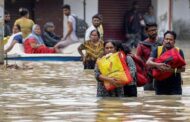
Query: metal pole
(84,8)
(1,31)
(170,14)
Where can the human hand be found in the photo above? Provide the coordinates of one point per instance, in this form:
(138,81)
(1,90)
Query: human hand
(115,82)
(163,67)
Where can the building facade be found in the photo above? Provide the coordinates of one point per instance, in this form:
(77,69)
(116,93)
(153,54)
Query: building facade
(168,13)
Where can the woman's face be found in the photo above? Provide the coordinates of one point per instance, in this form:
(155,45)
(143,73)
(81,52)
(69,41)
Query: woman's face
(37,30)
(109,48)
(15,29)
(51,29)
(94,36)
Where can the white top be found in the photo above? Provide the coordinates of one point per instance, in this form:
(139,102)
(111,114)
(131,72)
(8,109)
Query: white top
(10,40)
(88,31)
(73,36)
(18,48)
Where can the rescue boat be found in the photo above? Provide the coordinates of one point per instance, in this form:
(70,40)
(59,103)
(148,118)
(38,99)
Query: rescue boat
(69,53)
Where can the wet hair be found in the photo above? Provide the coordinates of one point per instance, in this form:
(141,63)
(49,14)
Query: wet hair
(114,44)
(148,25)
(66,6)
(97,16)
(172,33)
(18,26)
(23,11)
(96,32)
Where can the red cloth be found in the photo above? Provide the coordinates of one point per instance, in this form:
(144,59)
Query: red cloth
(143,51)
(171,57)
(142,77)
(40,49)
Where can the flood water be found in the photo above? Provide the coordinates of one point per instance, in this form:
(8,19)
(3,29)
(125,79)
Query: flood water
(64,92)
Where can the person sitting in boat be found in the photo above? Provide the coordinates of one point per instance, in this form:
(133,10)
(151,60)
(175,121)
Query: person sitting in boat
(49,36)
(24,22)
(34,43)
(15,38)
(94,49)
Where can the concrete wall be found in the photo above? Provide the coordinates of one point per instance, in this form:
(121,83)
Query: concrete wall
(154,3)
(77,8)
(181,17)
(49,11)
(162,13)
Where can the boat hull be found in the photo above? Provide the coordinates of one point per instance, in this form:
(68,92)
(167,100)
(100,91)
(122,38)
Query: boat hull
(43,57)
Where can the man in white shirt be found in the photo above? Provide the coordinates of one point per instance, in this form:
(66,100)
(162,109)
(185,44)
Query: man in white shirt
(70,35)
(96,21)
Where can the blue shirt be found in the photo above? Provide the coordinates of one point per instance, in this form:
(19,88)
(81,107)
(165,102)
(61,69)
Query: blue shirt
(18,38)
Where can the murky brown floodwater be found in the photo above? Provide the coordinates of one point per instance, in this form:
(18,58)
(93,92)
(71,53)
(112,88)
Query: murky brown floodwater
(64,92)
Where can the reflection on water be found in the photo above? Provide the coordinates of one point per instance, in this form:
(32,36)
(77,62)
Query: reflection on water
(160,108)
(64,92)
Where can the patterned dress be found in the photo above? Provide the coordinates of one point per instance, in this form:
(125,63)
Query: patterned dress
(93,52)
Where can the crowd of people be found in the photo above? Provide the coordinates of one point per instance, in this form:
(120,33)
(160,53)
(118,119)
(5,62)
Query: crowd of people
(37,40)
(26,33)
(169,81)
(141,33)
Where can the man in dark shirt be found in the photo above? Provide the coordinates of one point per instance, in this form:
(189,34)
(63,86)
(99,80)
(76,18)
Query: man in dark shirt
(133,25)
(7,29)
(145,47)
(171,85)
(49,36)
